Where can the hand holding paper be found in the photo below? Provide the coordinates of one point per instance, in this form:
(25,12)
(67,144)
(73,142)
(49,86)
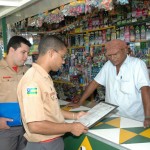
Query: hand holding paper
(96,113)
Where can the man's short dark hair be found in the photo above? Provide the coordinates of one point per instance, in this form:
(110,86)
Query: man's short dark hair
(50,42)
(15,42)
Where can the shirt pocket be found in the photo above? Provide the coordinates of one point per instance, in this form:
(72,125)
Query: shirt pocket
(125,87)
(7,80)
(7,86)
(7,83)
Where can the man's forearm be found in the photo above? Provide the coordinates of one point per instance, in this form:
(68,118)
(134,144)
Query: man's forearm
(146,100)
(89,90)
(68,115)
(49,128)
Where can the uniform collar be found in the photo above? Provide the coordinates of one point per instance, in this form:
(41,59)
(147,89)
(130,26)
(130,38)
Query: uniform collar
(3,63)
(40,70)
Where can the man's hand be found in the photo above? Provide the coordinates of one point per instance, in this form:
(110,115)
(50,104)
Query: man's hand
(77,129)
(147,122)
(80,114)
(3,123)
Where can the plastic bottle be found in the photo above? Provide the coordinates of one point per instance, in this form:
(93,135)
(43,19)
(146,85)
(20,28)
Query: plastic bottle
(113,34)
(132,34)
(137,33)
(143,32)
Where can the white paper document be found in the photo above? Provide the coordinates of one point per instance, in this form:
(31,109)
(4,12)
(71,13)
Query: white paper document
(81,108)
(96,113)
(63,102)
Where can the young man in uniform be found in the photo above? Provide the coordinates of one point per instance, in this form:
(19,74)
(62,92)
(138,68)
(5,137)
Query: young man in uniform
(126,82)
(12,68)
(42,117)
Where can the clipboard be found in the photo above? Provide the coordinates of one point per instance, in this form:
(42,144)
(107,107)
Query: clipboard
(11,110)
(96,114)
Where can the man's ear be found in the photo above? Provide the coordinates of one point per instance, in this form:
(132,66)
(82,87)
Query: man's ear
(11,50)
(50,52)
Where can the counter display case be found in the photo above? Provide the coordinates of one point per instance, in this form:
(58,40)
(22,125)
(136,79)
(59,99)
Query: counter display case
(111,133)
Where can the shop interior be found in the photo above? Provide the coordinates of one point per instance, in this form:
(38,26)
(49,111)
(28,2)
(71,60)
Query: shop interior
(85,26)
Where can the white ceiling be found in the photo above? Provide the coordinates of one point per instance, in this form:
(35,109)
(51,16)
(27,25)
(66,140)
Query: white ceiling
(7,7)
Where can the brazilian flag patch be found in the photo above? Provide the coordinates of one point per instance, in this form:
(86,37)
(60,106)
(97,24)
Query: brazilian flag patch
(31,91)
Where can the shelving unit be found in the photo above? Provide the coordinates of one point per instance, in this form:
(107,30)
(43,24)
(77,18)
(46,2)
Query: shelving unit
(86,48)
(84,60)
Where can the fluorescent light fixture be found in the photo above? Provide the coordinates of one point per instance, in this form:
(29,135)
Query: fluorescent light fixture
(9,3)
(22,2)
(15,3)
(11,6)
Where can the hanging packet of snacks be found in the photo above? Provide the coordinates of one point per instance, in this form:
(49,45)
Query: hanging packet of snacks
(94,3)
(74,9)
(101,4)
(106,4)
(40,20)
(31,21)
(123,2)
(65,10)
(88,7)
(23,24)
(55,16)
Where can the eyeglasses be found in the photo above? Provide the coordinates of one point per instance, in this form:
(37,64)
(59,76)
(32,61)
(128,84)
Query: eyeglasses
(63,57)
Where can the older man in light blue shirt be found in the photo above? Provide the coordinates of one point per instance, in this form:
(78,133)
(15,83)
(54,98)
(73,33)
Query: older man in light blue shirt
(126,81)
(124,88)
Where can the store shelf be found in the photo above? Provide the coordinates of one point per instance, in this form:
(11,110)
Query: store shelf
(94,45)
(92,30)
(74,47)
(63,82)
(67,82)
(73,33)
(97,45)
(104,28)
(141,21)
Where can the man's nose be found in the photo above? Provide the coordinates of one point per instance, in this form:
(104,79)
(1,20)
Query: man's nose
(26,56)
(113,57)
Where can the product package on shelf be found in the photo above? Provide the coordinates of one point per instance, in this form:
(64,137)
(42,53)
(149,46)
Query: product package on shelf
(86,26)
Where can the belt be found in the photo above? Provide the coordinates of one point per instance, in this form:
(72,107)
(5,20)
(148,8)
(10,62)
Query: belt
(49,140)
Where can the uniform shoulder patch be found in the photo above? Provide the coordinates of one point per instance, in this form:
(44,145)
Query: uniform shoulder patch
(31,90)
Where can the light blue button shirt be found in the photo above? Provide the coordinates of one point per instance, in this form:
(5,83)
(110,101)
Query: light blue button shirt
(123,89)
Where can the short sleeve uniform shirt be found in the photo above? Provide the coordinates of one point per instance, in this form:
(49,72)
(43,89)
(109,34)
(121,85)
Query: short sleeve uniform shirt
(38,101)
(9,80)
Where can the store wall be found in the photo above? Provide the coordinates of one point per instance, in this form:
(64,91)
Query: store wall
(34,9)
(0,25)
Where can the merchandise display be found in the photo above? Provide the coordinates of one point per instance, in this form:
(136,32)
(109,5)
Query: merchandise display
(86,26)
